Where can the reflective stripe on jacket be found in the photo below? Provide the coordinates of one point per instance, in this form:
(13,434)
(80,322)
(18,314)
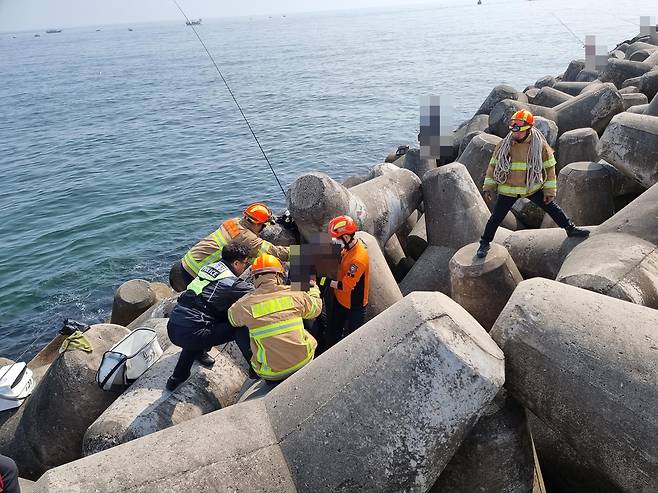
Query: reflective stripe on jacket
(209,249)
(274,315)
(516,180)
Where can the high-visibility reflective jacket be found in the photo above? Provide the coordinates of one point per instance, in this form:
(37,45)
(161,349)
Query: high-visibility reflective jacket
(274,315)
(516,185)
(209,250)
(354,276)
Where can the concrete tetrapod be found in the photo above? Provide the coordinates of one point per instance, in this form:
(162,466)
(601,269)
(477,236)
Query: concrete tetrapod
(577,145)
(585,193)
(384,290)
(424,374)
(455,213)
(496,456)
(652,109)
(497,94)
(132,299)
(647,84)
(146,407)
(417,239)
(593,109)
(620,259)
(619,71)
(540,252)
(413,162)
(483,285)
(572,88)
(634,99)
(563,469)
(572,71)
(455,216)
(587,366)
(52,421)
(549,97)
(630,144)
(500,116)
(380,205)
(475,126)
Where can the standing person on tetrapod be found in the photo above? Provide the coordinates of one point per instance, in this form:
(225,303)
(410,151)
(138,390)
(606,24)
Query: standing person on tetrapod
(209,250)
(346,310)
(522,165)
(200,321)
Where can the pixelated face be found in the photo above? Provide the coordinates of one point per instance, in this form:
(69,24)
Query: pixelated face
(434,133)
(596,56)
(319,257)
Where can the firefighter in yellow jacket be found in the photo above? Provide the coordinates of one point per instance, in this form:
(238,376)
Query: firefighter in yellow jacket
(245,231)
(522,165)
(274,315)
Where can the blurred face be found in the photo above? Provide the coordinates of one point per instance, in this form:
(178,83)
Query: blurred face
(519,129)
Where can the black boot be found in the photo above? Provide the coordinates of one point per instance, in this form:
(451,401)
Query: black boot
(575,232)
(205,359)
(483,250)
(174,382)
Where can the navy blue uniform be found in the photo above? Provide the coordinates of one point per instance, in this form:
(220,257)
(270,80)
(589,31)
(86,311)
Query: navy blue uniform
(199,321)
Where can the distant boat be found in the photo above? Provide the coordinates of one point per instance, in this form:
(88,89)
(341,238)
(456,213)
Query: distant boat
(97,30)
(130,29)
(53,31)
(479,2)
(37,35)
(193,23)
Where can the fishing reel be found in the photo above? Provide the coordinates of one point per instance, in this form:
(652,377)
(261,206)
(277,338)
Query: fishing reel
(285,220)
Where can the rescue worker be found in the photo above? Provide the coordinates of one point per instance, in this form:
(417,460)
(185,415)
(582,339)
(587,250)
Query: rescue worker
(199,320)
(522,165)
(8,476)
(275,315)
(350,290)
(209,250)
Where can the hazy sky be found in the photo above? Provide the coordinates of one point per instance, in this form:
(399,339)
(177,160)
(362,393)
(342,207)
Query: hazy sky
(16,15)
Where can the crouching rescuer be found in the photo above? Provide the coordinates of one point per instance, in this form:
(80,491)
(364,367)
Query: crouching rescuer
(274,315)
(209,250)
(522,165)
(200,321)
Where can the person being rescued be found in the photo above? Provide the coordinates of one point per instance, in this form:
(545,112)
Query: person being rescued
(522,165)
(200,321)
(274,315)
(346,309)
(209,250)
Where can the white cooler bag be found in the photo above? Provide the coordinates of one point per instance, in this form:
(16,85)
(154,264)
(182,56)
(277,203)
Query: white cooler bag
(16,384)
(128,359)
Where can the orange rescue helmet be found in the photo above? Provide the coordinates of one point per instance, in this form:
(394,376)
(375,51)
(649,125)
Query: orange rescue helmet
(258,213)
(342,225)
(524,115)
(266,263)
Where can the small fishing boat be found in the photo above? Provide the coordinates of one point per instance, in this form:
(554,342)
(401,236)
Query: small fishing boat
(53,31)
(37,35)
(479,2)
(193,23)
(130,29)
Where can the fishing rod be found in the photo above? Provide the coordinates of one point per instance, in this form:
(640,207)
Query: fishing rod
(567,28)
(189,23)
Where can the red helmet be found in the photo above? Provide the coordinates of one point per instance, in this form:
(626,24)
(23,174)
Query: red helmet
(342,225)
(257,213)
(266,263)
